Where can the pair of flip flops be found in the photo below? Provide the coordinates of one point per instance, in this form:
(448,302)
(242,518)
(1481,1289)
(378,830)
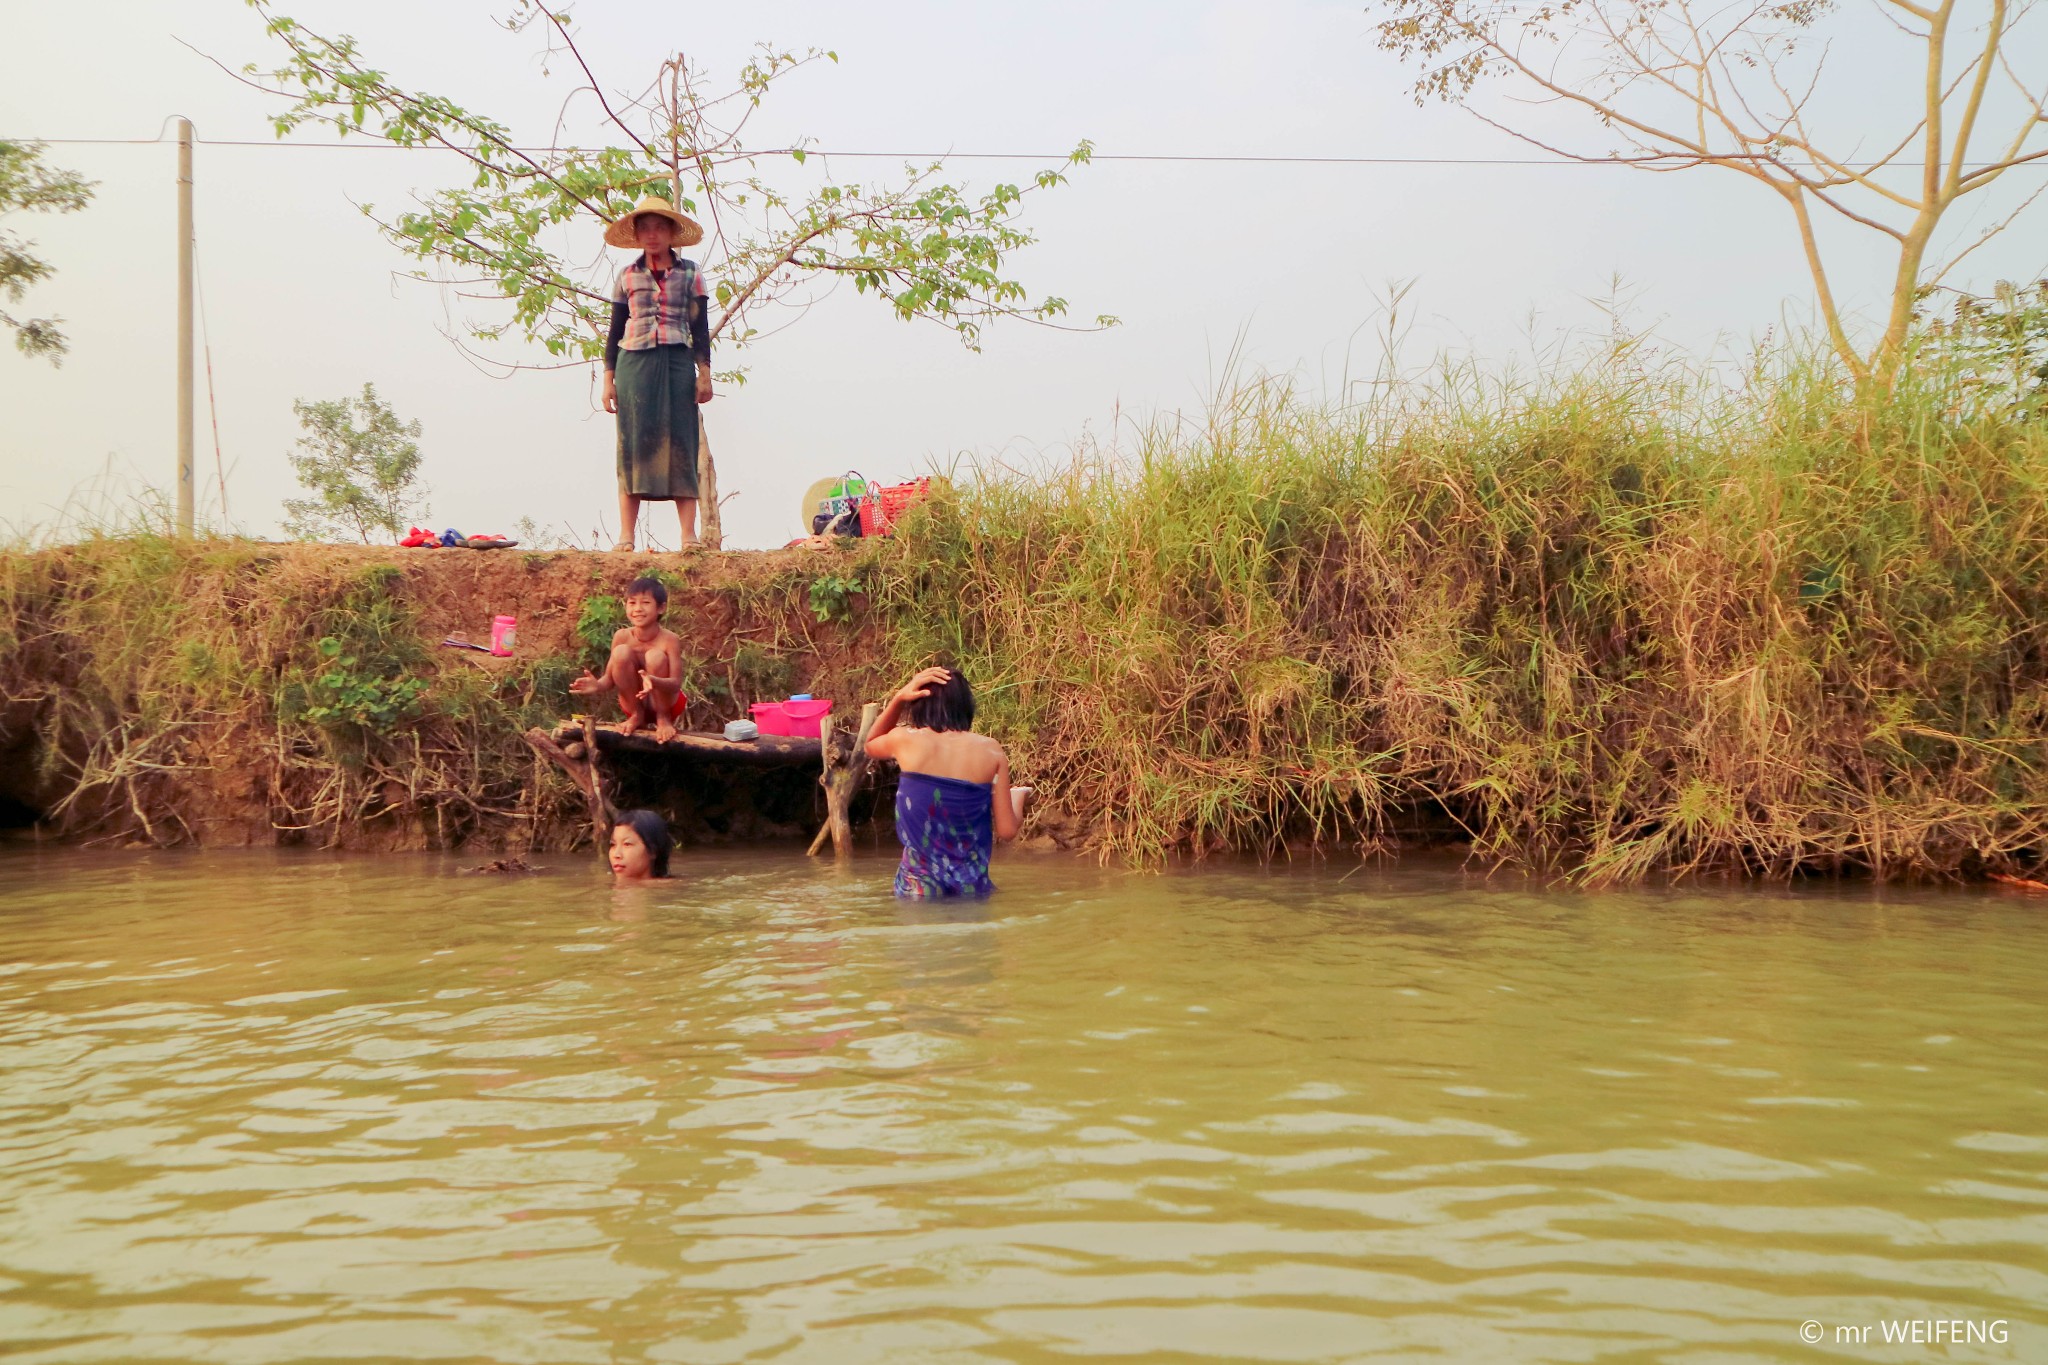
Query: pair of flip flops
(419,537)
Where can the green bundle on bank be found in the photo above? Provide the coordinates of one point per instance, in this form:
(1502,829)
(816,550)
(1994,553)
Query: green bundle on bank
(1613,625)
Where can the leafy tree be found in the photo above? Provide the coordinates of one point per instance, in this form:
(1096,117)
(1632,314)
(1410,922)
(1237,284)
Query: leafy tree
(27,184)
(361,465)
(523,218)
(1676,84)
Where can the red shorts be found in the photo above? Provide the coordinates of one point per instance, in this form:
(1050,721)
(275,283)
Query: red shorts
(675,712)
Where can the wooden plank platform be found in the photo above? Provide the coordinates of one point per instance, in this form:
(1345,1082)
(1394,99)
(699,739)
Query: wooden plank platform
(768,751)
(577,745)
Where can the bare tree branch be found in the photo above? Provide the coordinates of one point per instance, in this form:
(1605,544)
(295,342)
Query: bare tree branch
(1685,83)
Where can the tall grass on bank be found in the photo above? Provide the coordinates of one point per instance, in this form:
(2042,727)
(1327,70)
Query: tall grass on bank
(1615,624)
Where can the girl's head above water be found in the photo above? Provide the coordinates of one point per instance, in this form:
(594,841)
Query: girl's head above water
(640,846)
(947,705)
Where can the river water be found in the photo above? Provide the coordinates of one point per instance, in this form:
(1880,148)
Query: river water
(264,1107)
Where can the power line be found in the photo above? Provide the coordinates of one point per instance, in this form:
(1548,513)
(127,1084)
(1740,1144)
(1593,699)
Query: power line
(1216,158)
(366,145)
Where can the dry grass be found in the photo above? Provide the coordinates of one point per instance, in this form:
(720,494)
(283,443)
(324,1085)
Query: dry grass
(1615,625)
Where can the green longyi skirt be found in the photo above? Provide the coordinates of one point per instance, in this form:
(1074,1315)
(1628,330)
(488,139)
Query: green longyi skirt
(658,422)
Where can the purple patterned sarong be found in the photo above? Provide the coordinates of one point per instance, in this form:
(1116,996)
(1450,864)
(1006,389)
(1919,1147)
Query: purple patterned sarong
(948,830)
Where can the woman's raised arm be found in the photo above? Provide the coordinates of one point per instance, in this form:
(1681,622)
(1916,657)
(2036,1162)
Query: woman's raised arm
(880,742)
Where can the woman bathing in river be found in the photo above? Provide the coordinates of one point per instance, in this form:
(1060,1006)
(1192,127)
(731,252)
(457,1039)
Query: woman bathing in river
(657,365)
(955,799)
(640,849)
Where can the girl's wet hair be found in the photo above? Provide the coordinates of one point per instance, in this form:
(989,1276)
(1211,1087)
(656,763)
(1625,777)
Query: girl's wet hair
(949,707)
(653,832)
(649,587)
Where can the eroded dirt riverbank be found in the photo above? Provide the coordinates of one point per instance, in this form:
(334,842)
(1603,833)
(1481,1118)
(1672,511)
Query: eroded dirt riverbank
(236,692)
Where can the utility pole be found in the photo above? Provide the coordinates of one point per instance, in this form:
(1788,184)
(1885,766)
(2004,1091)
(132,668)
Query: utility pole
(184,327)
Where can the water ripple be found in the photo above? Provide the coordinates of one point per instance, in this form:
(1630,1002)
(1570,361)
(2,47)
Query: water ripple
(1235,1115)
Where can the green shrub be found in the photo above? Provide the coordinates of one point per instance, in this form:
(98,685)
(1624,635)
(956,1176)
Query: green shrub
(832,597)
(601,617)
(359,692)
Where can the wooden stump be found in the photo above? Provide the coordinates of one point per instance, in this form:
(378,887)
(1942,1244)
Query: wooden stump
(582,770)
(844,772)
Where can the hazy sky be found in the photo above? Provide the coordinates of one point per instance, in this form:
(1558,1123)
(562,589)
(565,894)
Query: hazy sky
(302,299)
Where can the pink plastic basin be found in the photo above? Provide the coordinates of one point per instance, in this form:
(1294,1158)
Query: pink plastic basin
(803,716)
(771,718)
(796,718)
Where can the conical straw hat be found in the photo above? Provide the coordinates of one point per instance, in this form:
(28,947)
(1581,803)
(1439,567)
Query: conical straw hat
(620,233)
(816,494)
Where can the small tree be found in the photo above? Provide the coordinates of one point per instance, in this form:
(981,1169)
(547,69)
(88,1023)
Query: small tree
(522,222)
(361,465)
(27,184)
(1998,345)
(1681,83)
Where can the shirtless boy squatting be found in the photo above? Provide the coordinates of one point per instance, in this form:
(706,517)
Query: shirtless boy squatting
(646,666)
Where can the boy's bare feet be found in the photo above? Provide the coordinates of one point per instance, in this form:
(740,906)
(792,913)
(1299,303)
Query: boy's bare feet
(631,724)
(664,729)
(622,547)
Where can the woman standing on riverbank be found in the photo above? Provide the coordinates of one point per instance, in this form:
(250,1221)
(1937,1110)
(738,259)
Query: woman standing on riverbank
(657,365)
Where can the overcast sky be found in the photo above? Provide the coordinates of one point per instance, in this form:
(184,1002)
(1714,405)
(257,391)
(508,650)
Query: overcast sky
(303,299)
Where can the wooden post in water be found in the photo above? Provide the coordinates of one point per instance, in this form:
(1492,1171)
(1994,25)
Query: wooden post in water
(582,770)
(603,815)
(841,779)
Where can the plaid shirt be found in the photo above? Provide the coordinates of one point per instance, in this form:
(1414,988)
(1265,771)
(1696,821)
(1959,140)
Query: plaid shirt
(657,306)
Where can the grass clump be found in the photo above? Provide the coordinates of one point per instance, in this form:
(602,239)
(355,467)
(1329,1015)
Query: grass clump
(763,673)
(1615,624)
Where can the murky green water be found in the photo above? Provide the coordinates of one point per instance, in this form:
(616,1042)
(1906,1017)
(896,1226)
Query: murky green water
(271,1108)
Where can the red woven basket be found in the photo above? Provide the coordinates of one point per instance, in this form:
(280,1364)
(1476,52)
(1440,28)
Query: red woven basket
(882,506)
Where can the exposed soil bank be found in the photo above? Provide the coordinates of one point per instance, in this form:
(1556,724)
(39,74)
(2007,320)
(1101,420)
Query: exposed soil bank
(233,692)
